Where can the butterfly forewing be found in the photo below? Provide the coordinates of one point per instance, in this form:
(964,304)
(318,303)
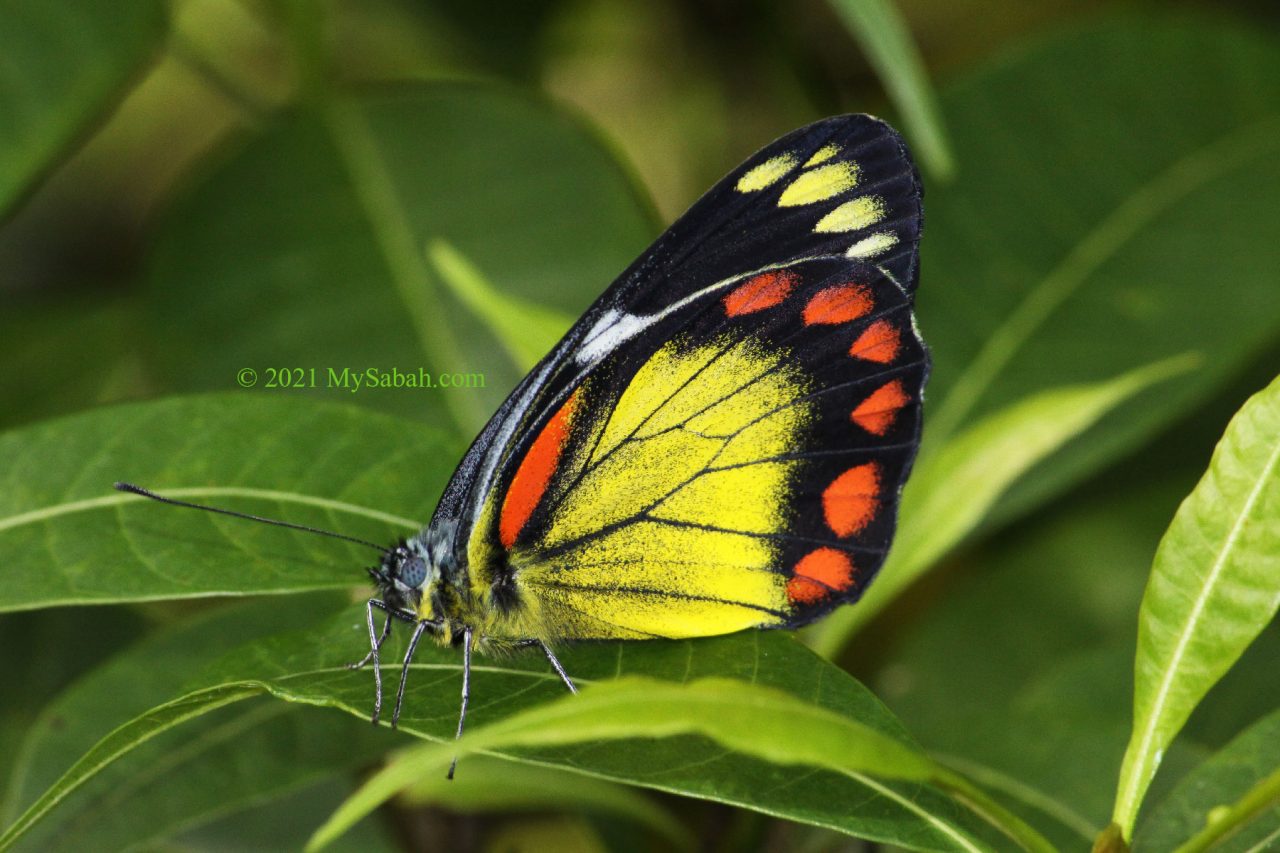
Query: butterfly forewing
(719,443)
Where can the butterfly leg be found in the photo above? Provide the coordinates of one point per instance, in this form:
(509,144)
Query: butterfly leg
(375,646)
(466,692)
(375,641)
(404,670)
(555,662)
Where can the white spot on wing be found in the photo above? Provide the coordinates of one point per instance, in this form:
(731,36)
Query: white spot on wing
(613,329)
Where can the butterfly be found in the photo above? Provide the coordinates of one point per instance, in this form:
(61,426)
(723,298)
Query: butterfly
(719,442)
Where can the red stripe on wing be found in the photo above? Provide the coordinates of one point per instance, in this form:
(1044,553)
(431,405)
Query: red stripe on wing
(534,474)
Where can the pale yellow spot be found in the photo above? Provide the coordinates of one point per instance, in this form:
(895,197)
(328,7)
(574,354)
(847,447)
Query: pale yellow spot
(819,184)
(823,154)
(870,246)
(852,215)
(767,173)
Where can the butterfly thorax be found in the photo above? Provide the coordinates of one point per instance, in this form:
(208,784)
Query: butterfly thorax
(412,578)
(425,576)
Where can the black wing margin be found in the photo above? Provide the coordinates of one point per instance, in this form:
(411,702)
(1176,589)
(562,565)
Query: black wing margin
(761,214)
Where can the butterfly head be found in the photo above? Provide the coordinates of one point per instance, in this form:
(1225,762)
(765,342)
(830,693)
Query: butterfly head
(404,572)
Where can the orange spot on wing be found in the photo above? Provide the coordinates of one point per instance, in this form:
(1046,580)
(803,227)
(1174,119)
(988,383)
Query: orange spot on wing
(839,304)
(819,573)
(534,473)
(880,342)
(850,502)
(760,292)
(877,413)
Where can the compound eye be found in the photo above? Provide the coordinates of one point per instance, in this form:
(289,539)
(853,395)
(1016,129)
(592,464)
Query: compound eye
(413,572)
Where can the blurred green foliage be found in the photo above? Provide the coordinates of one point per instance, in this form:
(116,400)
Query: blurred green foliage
(192,187)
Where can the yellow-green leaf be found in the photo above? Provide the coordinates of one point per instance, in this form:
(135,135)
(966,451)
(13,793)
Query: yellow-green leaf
(1214,585)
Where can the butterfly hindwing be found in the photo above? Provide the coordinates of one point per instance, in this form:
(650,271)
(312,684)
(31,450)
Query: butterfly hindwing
(719,443)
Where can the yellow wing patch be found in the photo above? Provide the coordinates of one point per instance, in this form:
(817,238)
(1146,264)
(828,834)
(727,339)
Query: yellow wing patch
(665,530)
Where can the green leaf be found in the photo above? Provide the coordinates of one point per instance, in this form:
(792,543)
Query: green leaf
(307,667)
(124,739)
(127,684)
(492,785)
(138,678)
(953,489)
(67,538)
(257,753)
(308,248)
(286,823)
(231,759)
(1230,803)
(64,64)
(228,759)
(744,718)
(880,31)
(1214,585)
(687,765)
(527,330)
(1087,235)
(63,655)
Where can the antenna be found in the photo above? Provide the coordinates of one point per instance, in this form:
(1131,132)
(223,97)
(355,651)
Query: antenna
(146,493)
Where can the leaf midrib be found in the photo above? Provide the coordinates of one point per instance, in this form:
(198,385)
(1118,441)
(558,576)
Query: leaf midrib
(55,510)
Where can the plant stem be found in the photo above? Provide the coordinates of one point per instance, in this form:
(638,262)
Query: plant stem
(1225,821)
(992,812)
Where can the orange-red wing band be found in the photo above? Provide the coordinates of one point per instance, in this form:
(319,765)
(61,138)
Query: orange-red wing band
(534,473)
(879,342)
(877,413)
(840,304)
(850,502)
(760,292)
(819,573)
